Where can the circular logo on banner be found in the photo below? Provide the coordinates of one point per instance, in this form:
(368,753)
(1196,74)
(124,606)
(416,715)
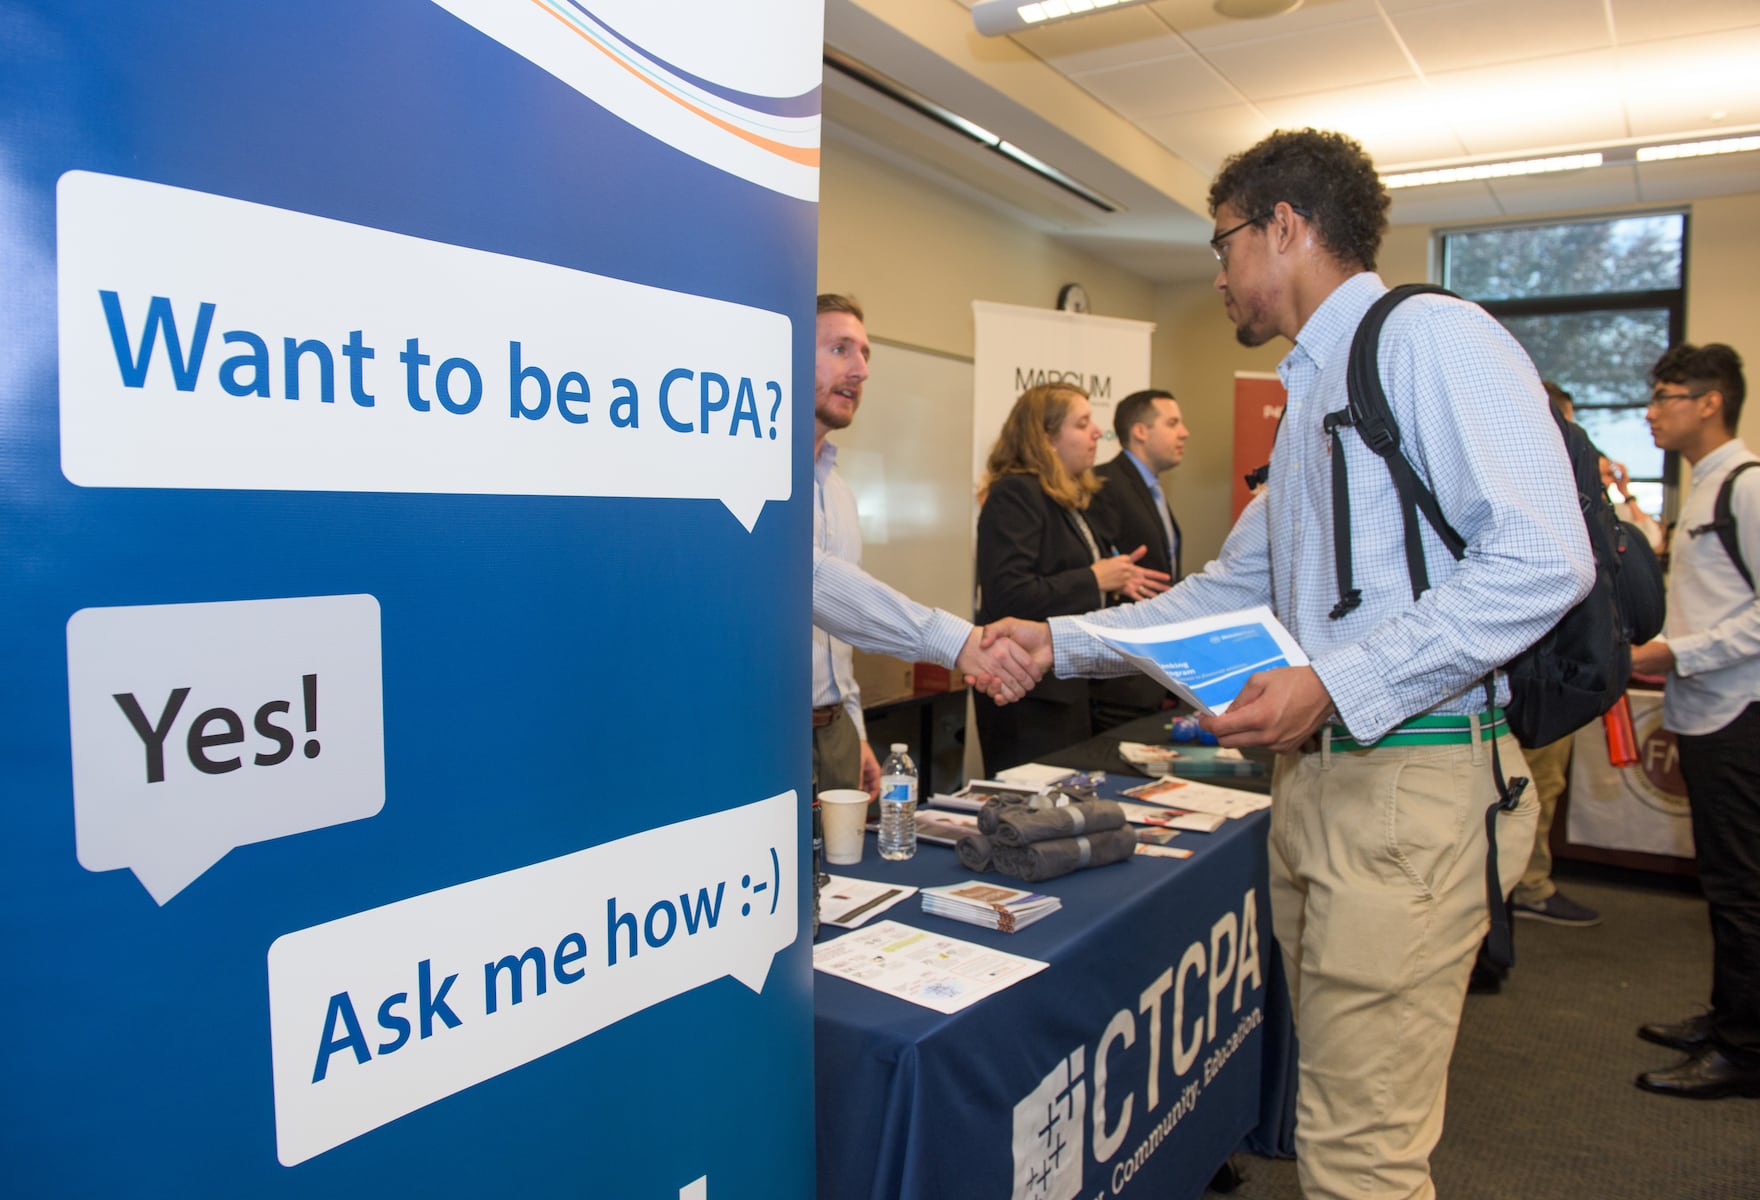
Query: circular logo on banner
(1656,781)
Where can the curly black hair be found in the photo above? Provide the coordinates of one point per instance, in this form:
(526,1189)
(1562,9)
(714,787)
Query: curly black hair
(1714,364)
(1327,175)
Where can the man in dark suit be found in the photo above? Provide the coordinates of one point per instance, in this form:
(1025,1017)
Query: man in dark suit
(1131,511)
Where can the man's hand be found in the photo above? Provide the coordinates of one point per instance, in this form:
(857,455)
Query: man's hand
(1280,708)
(1002,670)
(870,772)
(1652,658)
(1032,636)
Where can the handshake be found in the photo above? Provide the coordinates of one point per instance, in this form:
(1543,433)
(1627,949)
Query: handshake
(1006,658)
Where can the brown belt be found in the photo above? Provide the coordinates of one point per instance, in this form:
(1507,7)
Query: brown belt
(824,716)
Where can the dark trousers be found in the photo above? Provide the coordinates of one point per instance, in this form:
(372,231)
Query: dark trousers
(1722,773)
(1012,734)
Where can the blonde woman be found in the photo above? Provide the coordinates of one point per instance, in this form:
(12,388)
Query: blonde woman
(1039,557)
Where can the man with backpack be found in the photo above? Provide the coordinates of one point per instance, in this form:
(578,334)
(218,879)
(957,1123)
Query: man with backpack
(1710,653)
(1389,742)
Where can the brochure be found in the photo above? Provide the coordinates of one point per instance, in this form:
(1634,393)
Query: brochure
(941,973)
(847,902)
(943,827)
(974,795)
(1208,660)
(991,905)
(1193,796)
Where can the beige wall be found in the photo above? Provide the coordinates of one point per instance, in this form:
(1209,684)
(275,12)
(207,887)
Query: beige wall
(917,256)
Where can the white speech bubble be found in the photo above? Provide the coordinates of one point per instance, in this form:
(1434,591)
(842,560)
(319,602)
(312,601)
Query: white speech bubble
(316,355)
(392,1006)
(197,728)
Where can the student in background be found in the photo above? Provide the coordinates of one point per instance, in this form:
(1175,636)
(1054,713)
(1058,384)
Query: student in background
(1039,557)
(1710,654)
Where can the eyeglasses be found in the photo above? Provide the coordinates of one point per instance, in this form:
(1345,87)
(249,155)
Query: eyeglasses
(1218,245)
(1661,398)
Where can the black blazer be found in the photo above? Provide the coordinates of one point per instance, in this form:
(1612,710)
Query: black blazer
(1124,514)
(1034,564)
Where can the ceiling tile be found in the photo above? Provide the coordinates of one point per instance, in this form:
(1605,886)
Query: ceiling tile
(1515,108)
(1603,187)
(1693,83)
(1313,60)
(1686,178)
(1203,27)
(1443,204)
(1477,33)
(1157,89)
(1114,39)
(1396,122)
(1644,20)
(1204,139)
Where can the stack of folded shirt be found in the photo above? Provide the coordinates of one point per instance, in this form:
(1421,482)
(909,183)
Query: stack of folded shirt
(1036,844)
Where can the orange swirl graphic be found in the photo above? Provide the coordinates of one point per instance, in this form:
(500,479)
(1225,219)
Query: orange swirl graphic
(805,155)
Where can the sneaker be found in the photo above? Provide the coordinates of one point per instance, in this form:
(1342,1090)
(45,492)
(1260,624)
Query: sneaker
(1557,909)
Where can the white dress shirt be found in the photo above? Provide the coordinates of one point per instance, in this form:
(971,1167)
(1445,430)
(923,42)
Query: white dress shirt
(1713,623)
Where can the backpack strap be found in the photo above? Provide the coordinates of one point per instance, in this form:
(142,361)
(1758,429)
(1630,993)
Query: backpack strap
(1368,412)
(1723,521)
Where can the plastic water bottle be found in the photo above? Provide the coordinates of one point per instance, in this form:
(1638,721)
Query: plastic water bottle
(898,804)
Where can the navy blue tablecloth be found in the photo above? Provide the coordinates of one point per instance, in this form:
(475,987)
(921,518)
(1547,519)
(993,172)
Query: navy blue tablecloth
(1156,1042)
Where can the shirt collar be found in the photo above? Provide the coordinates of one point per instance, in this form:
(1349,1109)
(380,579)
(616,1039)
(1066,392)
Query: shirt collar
(1329,328)
(1717,459)
(1142,469)
(825,460)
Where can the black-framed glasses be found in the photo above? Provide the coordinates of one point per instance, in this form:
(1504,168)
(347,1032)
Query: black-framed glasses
(1218,245)
(1658,399)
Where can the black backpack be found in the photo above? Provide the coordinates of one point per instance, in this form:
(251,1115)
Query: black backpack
(1723,523)
(1579,669)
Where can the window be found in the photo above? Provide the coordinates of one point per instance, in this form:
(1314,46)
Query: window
(1595,303)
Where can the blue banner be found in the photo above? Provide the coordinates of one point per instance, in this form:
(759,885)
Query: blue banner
(404,408)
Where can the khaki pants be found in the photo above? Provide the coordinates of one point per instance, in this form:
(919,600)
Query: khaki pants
(1547,765)
(1378,901)
(837,754)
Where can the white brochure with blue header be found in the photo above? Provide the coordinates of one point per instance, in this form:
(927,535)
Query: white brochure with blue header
(1206,661)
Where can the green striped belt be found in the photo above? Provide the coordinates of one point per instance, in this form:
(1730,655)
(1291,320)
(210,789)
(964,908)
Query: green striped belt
(1434,730)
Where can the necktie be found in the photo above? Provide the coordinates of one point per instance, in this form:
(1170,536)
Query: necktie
(1166,519)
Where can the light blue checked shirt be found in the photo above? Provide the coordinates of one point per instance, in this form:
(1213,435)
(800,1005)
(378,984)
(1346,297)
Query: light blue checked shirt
(1474,421)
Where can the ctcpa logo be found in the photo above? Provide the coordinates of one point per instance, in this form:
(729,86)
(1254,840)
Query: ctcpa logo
(1657,782)
(1148,1069)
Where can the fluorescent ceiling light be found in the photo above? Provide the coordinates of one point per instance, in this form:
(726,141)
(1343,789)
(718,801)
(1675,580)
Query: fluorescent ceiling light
(1498,170)
(900,94)
(998,18)
(1735,145)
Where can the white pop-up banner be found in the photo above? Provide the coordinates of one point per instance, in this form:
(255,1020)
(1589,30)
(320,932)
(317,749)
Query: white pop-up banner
(1018,348)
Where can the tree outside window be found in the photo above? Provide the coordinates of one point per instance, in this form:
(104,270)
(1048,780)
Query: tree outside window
(1595,303)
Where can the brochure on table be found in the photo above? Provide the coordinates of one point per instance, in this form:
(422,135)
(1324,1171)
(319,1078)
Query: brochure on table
(1206,661)
(929,969)
(847,902)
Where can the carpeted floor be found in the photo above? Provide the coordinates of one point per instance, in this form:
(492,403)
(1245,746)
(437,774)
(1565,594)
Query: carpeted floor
(1541,1104)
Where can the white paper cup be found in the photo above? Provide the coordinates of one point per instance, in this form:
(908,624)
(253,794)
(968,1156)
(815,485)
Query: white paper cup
(844,814)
